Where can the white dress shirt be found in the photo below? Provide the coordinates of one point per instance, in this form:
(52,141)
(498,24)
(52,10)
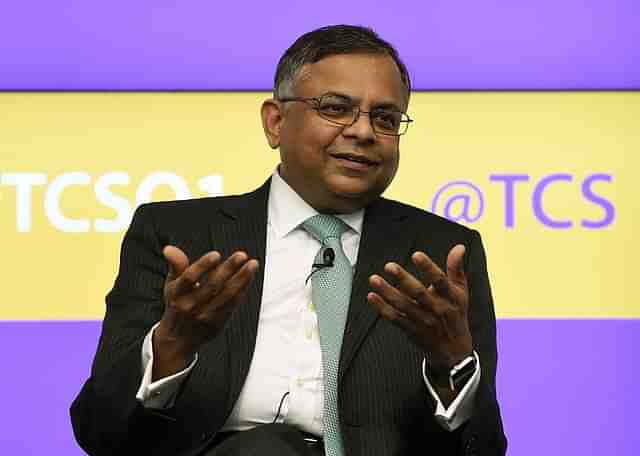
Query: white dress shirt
(287,356)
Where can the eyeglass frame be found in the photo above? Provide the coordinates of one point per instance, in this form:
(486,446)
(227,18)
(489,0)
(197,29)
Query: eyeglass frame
(314,103)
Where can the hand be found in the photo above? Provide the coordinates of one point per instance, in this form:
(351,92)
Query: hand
(432,311)
(199,299)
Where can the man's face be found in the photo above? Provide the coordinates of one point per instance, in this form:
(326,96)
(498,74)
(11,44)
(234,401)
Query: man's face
(316,154)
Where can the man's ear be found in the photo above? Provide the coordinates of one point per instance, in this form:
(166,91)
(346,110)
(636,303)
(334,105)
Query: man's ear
(272,117)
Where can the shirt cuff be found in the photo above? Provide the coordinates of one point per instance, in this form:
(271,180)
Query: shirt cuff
(161,393)
(461,409)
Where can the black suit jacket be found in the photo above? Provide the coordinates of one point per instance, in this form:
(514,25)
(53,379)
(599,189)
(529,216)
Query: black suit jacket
(385,408)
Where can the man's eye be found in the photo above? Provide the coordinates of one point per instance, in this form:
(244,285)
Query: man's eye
(387,119)
(335,109)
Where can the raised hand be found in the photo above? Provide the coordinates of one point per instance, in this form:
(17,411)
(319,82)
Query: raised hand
(199,299)
(432,311)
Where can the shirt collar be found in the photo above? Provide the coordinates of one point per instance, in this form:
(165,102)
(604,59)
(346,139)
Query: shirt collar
(287,210)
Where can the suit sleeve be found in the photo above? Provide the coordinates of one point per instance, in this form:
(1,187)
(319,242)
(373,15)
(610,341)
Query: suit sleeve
(483,434)
(107,419)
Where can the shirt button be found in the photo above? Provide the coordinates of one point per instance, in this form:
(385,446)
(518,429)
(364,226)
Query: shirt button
(300,382)
(309,334)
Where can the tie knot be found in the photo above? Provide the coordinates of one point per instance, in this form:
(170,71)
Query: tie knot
(324,226)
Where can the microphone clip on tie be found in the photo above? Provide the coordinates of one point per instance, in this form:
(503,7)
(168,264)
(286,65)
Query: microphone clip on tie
(328,257)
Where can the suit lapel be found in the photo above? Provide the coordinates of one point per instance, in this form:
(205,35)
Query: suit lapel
(243,227)
(383,239)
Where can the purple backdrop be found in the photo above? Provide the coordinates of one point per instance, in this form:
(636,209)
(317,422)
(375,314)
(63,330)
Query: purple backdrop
(566,387)
(211,45)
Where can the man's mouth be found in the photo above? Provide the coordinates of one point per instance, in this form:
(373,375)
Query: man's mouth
(355,158)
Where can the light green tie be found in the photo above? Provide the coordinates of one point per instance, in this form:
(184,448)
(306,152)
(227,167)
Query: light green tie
(330,291)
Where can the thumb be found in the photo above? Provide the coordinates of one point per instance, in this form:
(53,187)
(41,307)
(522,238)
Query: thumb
(455,265)
(177,259)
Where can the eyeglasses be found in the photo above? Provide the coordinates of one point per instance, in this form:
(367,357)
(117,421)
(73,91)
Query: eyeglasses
(340,110)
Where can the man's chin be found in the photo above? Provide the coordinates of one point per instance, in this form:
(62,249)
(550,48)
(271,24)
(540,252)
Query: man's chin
(353,200)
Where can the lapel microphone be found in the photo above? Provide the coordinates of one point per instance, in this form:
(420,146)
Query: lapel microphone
(328,256)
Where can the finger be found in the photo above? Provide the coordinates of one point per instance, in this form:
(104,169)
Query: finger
(217,278)
(238,284)
(388,312)
(409,285)
(385,309)
(401,302)
(177,259)
(191,276)
(234,288)
(455,265)
(433,275)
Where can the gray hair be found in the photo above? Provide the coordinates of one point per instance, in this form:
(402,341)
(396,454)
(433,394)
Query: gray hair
(324,42)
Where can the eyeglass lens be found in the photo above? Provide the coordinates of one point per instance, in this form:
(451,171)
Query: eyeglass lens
(341,110)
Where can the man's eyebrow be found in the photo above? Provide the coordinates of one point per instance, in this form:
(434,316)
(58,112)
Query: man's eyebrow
(388,105)
(380,105)
(340,95)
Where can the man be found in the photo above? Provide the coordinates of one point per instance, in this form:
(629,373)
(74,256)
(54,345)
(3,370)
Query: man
(229,314)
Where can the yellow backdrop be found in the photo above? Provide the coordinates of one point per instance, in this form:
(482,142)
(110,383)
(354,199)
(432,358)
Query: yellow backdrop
(74,165)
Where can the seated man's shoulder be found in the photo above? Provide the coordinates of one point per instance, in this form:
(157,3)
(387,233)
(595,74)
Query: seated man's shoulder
(422,217)
(182,218)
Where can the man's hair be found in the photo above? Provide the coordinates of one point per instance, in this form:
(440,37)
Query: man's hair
(326,41)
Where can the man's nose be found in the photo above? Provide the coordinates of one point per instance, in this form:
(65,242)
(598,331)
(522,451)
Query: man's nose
(361,128)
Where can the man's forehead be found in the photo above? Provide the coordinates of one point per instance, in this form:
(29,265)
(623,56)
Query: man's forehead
(357,75)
